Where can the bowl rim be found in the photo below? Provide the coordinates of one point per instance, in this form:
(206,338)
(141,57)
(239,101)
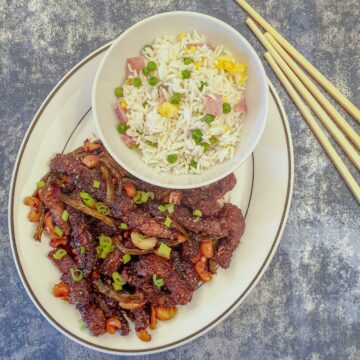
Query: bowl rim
(264,86)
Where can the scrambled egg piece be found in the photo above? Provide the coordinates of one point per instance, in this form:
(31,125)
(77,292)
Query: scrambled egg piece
(167,110)
(229,64)
(198,65)
(123,104)
(181,35)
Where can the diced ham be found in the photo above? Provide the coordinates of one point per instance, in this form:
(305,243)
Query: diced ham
(121,114)
(209,46)
(213,104)
(241,106)
(136,63)
(128,141)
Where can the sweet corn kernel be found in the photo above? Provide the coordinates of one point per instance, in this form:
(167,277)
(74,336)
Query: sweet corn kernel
(224,99)
(167,110)
(192,48)
(198,65)
(128,81)
(186,51)
(181,35)
(123,104)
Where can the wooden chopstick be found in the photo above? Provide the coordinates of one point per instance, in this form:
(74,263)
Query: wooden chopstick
(331,110)
(311,101)
(324,141)
(320,78)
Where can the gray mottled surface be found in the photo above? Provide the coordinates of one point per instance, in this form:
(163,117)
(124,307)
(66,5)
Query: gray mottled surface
(307,305)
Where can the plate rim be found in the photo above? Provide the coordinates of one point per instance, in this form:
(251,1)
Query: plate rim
(220,318)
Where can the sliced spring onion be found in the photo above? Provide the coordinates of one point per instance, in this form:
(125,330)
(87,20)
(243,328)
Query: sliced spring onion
(169,208)
(141,197)
(123,226)
(150,195)
(197,212)
(202,85)
(193,164)
(164,250)
(103,252)
(162,208)
(105,241)
(40,184)
(116,286)
(82,250)
(87,199)
(168,222)
(126,258)
(96,184)
(102,208)
(118,278)
(76,274)
(197,219)
(65,215)
(59,254)
(158,282)
(58,231)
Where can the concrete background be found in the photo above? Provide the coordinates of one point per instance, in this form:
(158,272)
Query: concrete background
(307,306)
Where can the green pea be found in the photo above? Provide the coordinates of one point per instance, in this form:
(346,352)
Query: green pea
(188,60)
(206,146)
(121,128)
(136,82)
(153,81)
(175,99)
(119,91)
(213,140)
(145,71)
(151,66)
(226,108)
(148,46)
(193,164)
(197,136)
(209,118)
(186,74)
(172,158)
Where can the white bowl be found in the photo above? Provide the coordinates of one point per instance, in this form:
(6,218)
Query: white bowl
(111,73)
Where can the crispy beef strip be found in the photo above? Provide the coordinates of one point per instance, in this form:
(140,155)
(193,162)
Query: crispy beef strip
(190,249)
(186,269)
(80,292)
(111,309)
(64,264)
(98,228)
(152,264)
(226,246)
(112,263)
(81,237)
(56,207)
(93,318)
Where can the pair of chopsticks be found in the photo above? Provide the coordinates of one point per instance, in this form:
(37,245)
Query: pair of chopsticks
(283,59)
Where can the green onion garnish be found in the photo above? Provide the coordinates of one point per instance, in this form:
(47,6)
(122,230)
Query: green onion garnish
(105,241)
(150,195)
(202,85)
(59,254)
(123,226)
(209,118)
(40,184)
(188,60)
(164,250)
(103,252)
(197,212)
(151,66)
(82,250)
(121,128)
(158,282)
(126,258)
(197,219)
(58,231)
(169,208)
(87,199)
(118,281)
(141,197)
(76,274)
(172,158)
(119,91)
(96,184)
(197,136)
(162,208)
(102,208)
(65,215)
(193,164)
(168,222)
(152,144)
(116,286)
(175,99)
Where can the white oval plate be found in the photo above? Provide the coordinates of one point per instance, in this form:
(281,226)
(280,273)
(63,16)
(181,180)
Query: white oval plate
(264,191)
